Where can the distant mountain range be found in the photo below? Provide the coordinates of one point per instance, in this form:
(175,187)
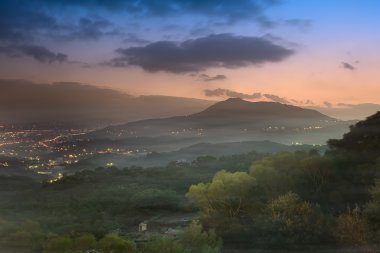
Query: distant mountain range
(233,114)
(78,104)
(190,153)
(237,120)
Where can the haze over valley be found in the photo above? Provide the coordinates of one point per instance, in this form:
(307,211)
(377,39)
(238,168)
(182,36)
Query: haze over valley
(77,137)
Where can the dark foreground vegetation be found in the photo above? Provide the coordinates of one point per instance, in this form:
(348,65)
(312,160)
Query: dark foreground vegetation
(296,201)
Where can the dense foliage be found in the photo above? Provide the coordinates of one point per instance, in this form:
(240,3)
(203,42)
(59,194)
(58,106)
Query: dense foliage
(286,200)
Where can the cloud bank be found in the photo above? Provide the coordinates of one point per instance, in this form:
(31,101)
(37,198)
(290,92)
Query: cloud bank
(230,93)
(28,20)
(39,53)
(276,98)
(232,10)
(208,78)
(220,50)
(254,96)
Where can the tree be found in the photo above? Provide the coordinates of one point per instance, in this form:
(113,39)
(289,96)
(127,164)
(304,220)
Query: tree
(85,242)
(372,212)
(352,228)
(298,222)
(163,244)
(362,139)
(228,195)
(114,244)
(59,244)
(29,234)
(195,240)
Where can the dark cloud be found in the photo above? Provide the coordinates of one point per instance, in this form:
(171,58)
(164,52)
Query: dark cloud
(232,94)
(221,50)
(255,96)
(34,21)
(303,102)
(42,54)
(90,28)
(28,21)
(39,53)
(276,98)
(231,10)
(208,78)
(20,21)
(348,66)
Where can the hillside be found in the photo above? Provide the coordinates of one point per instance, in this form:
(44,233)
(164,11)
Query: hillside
(231,116)
(362,137)
(191,153)
(25,102)
(232,120)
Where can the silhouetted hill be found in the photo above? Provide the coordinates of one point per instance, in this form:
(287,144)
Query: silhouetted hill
(238,107)
(364,137)
(238,120)
(189,154)
(238,111)
(233,114)
(63,104)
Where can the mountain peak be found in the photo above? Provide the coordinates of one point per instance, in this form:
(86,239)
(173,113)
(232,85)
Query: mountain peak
(233,107)
(234,100)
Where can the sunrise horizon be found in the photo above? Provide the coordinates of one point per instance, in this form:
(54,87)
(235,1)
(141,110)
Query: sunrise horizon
(300,51)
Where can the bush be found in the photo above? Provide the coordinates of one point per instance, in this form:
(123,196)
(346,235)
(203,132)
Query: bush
(297,221)
(85,242)
(352,228)
(163,244)
(193,240)
(114,244)
(59,244)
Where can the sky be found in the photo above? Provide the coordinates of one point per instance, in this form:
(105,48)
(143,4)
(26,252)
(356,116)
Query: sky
(315,52)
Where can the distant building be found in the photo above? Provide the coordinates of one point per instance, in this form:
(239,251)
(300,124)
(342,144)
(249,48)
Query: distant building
(143,226)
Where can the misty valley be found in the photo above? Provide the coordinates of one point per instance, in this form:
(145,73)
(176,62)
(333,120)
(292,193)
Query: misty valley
(238,176)
(229,127)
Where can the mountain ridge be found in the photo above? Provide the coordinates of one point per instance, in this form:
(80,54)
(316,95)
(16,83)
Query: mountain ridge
(233,105)
(232,117)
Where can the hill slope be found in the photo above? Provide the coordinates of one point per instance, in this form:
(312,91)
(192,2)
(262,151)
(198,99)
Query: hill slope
(231,116)
(236,120)
(26,102)
(362,137)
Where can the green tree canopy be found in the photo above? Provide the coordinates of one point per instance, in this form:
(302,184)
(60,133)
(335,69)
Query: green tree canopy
(228,194)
